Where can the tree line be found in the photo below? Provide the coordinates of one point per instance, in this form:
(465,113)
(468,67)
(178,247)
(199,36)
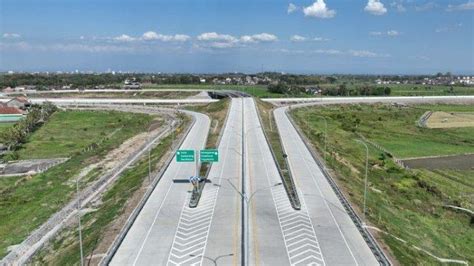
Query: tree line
(340,90)
(17,134)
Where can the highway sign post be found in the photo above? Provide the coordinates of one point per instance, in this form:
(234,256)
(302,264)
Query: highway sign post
(209,156)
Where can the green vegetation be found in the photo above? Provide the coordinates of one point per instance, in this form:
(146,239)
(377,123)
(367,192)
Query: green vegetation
(98,225)
(217,112)
(26,202)
(268,123)
(5,126)
(405,203)
(15,135)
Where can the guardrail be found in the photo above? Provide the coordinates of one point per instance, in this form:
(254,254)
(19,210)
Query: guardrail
(131,219)
(289,188)
(360,225)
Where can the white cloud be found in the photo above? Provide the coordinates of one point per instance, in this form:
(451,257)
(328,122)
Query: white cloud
(124,38)
(391,33)
(365,53)
(329,52)
(181,37)
(375,7)
(466,6)
(320,39)
(318,10)
(150,35)
(291,8)
(216,40)
(262,37)
(298,38)
(11,35)
(215,37)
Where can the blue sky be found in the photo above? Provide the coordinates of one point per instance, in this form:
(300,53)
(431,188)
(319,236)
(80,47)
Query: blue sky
(297,36)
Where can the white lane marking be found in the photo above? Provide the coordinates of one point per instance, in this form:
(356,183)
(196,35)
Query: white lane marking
(196,222)
(166,195)
(149,229)
(282,205)
(321,194)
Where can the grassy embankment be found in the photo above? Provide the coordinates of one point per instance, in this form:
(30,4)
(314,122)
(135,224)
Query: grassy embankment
(27,202)
(217,112)
(405,203)
(99,228)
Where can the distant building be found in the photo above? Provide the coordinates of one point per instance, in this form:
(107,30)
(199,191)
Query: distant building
(10,114)
(19,102)
(131,84)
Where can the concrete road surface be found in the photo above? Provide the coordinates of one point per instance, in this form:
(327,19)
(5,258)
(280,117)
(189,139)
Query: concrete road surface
(150,238)
(224,242)
(266,245)
(340,241)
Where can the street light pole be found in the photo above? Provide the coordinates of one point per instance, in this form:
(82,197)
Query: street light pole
(366,169)
(79,221)
(247,200)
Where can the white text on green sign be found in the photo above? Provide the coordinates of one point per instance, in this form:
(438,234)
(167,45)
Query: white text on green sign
(209,156)
(185,156)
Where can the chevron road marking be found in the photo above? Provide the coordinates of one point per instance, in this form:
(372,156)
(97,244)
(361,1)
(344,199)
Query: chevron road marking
(298,232)
(193,229)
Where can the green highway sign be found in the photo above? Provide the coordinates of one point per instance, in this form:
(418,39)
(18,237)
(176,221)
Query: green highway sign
(209,156)
(183,156)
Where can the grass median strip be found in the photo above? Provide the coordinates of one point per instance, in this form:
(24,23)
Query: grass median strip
(408,204)
(269,126)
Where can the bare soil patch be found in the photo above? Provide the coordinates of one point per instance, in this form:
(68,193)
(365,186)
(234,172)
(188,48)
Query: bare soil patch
(450,120)
(458,162)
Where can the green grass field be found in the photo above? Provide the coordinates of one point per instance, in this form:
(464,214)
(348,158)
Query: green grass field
(4,126)
(25,203)
(63,250)
(407,204)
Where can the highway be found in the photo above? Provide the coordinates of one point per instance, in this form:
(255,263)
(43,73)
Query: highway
(151,236)
(244,215)
(340,241)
